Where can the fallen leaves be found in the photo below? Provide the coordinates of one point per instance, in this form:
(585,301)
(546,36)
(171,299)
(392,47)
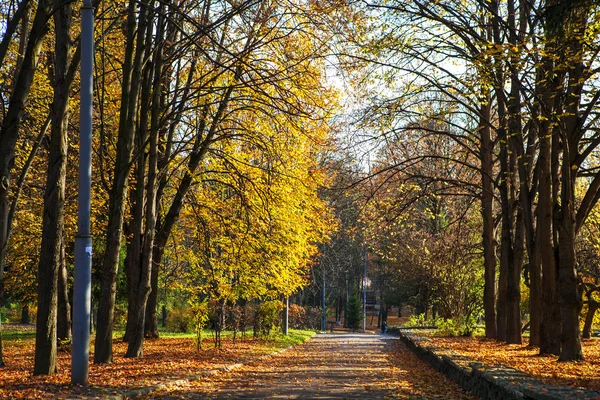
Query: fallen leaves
(164,359)
(584,374)
(334,368)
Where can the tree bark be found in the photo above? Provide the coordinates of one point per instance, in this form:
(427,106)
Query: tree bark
(9,132)
(54,201)
(135,348)
(569,300)
(118,194)
(487,213)
(589,317)
(25,314)
(64,324)
(506,250)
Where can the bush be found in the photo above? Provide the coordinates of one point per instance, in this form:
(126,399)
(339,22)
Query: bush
(456,327)
(304,317)
(449,327)
(419,321)
(181,320)
(296,316)
(313,318)
(266,318)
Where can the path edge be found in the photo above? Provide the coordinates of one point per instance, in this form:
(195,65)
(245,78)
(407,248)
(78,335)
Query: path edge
(497,382)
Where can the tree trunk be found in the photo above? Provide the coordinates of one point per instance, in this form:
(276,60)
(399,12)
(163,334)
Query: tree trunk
(487,213)
(54,200)
(570,303)
(9,132)
(506,250)
(25,320)
(589,318)
(133,260)
(64,306)
(514,143)
(135,348)
(118,194)
(545,213)
(151,323)
(568,294)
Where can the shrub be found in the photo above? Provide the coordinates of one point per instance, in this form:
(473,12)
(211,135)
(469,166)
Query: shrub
(416,320)
(304,317)
(267,317)
(180,320)
(297,316)
(313,318)
(419,321)
(460,326)
(200,316)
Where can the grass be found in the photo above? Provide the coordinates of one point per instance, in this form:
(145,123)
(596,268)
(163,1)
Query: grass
(17,332)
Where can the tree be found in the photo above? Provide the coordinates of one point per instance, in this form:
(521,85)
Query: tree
(354,314)
(51,252)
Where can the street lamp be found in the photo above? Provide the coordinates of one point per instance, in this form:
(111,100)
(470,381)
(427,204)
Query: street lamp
(82,288)
(364,324)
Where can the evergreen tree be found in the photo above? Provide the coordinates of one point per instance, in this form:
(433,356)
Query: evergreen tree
(354,312)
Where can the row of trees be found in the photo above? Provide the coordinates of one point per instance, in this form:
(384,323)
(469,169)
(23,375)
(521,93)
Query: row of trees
(210,119)
(489,106)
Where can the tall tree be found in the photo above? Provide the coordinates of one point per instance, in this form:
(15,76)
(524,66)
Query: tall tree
(10,130)
(51,260)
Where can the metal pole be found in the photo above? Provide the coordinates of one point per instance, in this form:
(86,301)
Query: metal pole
(364,324)
(286,319)
(82,288)
(324,309)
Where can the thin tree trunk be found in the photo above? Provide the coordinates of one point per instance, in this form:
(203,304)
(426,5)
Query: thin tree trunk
(64,306)
(506,250)
(25,314)
(487,213)
(589,317)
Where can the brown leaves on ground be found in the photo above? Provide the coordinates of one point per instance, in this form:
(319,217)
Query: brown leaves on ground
(418,378)
(332,366)
(164,359)
(546,368)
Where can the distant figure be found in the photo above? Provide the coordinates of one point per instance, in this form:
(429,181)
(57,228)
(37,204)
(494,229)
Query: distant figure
(383,327)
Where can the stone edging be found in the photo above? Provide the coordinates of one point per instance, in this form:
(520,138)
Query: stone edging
(149,389)
(496,382)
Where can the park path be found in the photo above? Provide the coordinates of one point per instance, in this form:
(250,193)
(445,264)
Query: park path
(329,366)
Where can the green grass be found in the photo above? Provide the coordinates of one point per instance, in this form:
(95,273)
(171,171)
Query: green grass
(12,332)
(296,336)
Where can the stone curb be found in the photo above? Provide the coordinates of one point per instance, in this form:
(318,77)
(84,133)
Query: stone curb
(149,389)
(497,382)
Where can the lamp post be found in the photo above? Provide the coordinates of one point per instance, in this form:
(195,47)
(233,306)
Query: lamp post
(364,324)
(82,288)
(286,316)
(323,306)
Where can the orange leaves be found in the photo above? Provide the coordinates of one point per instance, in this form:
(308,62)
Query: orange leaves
(545,368)
(165,359)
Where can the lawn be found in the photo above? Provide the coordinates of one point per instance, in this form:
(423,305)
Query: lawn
(173,356)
